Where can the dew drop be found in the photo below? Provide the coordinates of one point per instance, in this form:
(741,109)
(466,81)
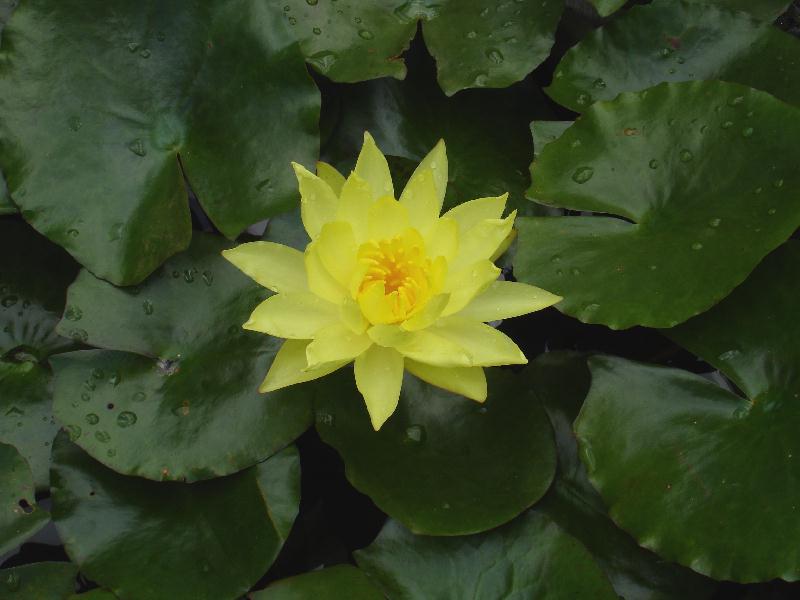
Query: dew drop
(126,419)
(74,432)
(79,335)
(494,55)
(583,99)
(132,47)
(727,125)
(576,271)
(772,211)
(697,246)
(730,354)
(98,373)
(472,35)
(147,306)
(208,278)
(312,2)
(188,276)
(326,419)
(115,232)
(599,84)
(111,453)
(139,397)
(747,132)
(137,147)
(316,31)
(415,434)
(365,34)
(686,155)
(736,101)
(778,183)
(480,80)
(591,307)
(292,21)
(680,60)
(714,222)
(653,164)
(102,436)
(582,174)
(73,233)
(86,396)
(114,379)
(92,419)
(587,455)
(12,582)
(630,131)
(145,53)
(75,123)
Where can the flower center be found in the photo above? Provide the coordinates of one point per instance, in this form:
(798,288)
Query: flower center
(395,279)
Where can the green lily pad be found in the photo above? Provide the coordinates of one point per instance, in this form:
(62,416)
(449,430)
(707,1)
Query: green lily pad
(42,581)
(697,217)
(674,40)
(488,150)
(26,415)
(34,275)
(20,517)
(342,582)
(636,574)
(174,395)
(140,538)
(766,10)
(531,557)
(674,455)
(442,464)
(476,43)
(95,116)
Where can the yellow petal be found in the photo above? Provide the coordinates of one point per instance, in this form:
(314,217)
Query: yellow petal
(379,377)
(464,285)
(289,367)
(467,381)
(372,167)
(317,201)
(469,214)
(296,315)
(482,240)
(436,161)
(275,266)
(485,345)
(374,305)
(337,248)
(428,315)
(506,299)
(504,245)
(336,342)
(320,280)
(354,202)
(421,199)
(351,315)
(331,176)
(422,345)
(387,218)
(442,239)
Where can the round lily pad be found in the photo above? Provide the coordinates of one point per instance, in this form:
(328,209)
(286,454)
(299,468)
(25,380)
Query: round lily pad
(174,395)
(342,582)
(572,502)
(42,581)
(691,218)
(676,40)
(695,472)
(476,43)
(443,464)
(531,557)
(20,517)
(26,415)
(140,538)
(95,114)
(34,275)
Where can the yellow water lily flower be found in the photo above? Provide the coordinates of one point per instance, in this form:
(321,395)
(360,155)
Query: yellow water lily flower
(388,283)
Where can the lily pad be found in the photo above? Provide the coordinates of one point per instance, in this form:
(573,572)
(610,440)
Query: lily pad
(531,557)
(34,275)
(96,112)
(443,464)
(696,217)
(174,396)
(766,10)
(674,455)
(488,150)
(636,574)
(342,582)
(42,581)
(675,40)
(26,415)
(476,43)
(20,517)
(607,7)
(140,538)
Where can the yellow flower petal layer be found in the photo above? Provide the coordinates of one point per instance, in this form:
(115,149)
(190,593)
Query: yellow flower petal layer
(289,367)
(428,315)
(467,381)
(442,239)
(331,176)
(295,316)
(275,266)
(372,167)
(484,345)
(423,346)
(379,377)
(506,299)
(336,246)
(318,202)
(336,342)
(386,219)
(320,280)
(482,240)
(469,214)
(421,199)
(354,202)
(464,285)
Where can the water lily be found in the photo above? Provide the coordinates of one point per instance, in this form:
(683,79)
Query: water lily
(389,284)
